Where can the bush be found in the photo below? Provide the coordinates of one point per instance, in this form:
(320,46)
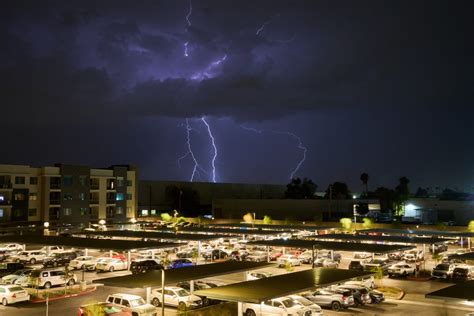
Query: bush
(267,220)
(166,217)
(346,223)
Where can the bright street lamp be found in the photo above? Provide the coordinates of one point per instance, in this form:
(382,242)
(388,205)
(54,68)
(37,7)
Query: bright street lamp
(46,224)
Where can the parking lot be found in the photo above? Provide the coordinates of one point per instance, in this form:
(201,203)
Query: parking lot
(220,249)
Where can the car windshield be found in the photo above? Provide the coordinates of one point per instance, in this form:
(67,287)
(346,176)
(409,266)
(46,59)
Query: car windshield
(19,272)
(15,289)
(288,303)
(303,301)
(460,270)
(182,293)
(137,302)
(442,267)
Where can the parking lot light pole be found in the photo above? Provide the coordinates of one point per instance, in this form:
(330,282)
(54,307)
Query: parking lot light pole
(162,292)
(129,259)
(268,253)
(312,257)
(191,286)
(148,295)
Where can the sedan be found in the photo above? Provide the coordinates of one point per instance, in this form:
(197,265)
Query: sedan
(111,264)
(180,263)
(10,294)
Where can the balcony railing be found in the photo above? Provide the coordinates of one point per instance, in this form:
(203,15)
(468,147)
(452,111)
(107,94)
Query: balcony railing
(5,185)
(55,185)
(93,201)
(55,202)
(94,186)
(111,201)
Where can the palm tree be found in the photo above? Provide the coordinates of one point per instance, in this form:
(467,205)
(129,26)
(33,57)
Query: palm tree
(364,177)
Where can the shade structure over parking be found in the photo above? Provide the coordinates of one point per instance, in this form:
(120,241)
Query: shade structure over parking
(433,233)
(90,243)
(152,235)
(230,231)
(263,289)
(173,276)
(462,291)
(393,239)
(464,256)
(272,227)
(331,245)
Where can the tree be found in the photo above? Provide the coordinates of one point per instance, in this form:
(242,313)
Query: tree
(364,177)
(346,223)
(298,189)
(386,198)
(166,217)
(402,194)
(421,193)
(338,191)
(248,218)
(267,220)
(470,226)
(367,223)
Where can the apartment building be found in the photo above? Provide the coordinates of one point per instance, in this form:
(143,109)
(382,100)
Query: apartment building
(67,193)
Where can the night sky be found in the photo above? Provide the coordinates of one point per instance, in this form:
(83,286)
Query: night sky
(383,87)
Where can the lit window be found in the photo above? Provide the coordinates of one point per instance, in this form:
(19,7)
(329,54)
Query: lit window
(1,212)
(82,196)
(84,211)
(119,210)
(144,212)
(19,197)
(119,197)
(153,212)
(67,211)
(33,196)
(67,196)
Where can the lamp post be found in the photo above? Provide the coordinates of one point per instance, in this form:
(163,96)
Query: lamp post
(46,229)
(102,224)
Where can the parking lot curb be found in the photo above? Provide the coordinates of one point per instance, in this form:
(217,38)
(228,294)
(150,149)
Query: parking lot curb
(419,279)
(90,290)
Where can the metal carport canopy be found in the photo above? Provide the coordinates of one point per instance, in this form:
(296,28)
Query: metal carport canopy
(173,276)
(331,245)
(392,231)
(90,243)
(461,291)
(464,256)
(231,231)
(257,291)
(152,234)
(274,227)
(397,239)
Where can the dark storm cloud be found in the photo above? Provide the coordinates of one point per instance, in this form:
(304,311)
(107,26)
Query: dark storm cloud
(80,58)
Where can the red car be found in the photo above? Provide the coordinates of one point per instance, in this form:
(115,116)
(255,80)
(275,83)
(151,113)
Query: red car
(275,255)
(104,309)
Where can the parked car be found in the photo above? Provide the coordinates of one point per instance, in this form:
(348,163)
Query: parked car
(334,300)
(143,266)
(438,247)
(367,281)
(305,257)
(443,271)
(376,264)
(288,259)
(102,309)
(362,255)
(111,264)
(360,293)
(257,256)
(277,306)
(327,254)
(11,247)
(180,263)
(376,297)
(186,253)
(401,269)
(254,275)
(7,268)
(326,263)
(356,265)
(239,255)
(177,297)
(414,255)
(215,254)
(10,294)
(50,277)
(395,255)
(132,303)
(463,273)
(82,262)
(31,256)
(59,259)
(275,255)
(52,249)
(11,278)
(305,303)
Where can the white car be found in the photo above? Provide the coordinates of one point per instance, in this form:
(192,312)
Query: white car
(304,302)
(257,256)
(81,262)
(254,275)
(132,303)
(31,256)
(367,281)
(362,255)
(175,296)
(288,259)
(52,249)
(11,278)
(111,264)
(10,294)
(325,263)
(50,277)
(11,247)
(401,269)
(277,306)
(413,255)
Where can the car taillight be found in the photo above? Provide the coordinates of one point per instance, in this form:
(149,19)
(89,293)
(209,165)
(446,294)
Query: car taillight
(344,298)
(80,312)
(14,295)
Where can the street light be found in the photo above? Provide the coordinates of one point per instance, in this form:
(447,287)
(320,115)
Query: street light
(133,220)
(46,224)
(102,222)
(46,229)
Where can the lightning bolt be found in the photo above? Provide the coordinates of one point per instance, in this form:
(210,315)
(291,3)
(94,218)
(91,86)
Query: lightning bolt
(186,49)
(261,28)
(213,142)
(294,136)
(190,12)
(190,152)
(209,71)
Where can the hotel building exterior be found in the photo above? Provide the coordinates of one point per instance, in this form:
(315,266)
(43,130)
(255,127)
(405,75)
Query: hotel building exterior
(67,194)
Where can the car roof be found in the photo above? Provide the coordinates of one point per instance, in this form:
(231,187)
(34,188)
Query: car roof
(127,296)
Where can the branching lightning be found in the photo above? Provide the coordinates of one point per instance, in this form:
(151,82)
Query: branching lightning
(190,12)
(190,151)
(261,28)
(213,142)
(294,136)
(186,49)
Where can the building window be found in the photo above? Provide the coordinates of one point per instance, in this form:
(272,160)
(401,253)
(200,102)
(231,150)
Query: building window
(84,211)
(19,197)
(119,210)
(144,212)
(32,212)
(110,211)
(67,180)
(129,196)
(33,196)
(82,196)
(67,197)
(2,212)
(33,180)
(19,180)
(153,212)
(83,180)
(129,183)
(119,197)
(67,211)
(120,183)
(129,210)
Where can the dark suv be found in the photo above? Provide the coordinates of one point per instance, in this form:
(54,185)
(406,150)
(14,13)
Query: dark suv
(356,265)
(143,266)
(59,259)
(10,267)
(442,271)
